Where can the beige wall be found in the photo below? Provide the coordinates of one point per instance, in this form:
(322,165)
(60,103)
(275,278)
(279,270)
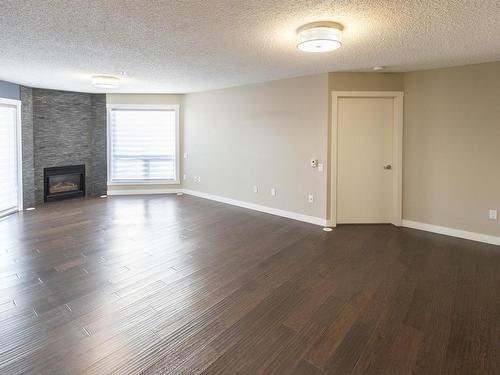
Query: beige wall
(144,98)
(452,147)
(264,135)
(451,150)
(365,81)
(149,99)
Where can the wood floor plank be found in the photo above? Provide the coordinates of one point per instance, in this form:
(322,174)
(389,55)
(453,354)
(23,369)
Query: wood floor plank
(182,285)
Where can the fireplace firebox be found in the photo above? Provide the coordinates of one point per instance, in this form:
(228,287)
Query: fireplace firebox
(64,182)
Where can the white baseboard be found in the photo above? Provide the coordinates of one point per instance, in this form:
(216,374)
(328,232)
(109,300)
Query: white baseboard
(142,191)
(486,238)
(311,219)
(258,207)
(234,202)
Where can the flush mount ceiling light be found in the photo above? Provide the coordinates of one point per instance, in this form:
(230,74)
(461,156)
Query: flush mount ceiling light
(105,81)
(319,37)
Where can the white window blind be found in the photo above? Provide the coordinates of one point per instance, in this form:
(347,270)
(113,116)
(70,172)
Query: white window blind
(8,159)
(143,144)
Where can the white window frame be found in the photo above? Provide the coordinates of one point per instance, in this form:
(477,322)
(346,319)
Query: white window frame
(169,107)
(17,104)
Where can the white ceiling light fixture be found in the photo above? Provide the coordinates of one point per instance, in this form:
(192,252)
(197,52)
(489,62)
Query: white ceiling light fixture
(319,36)
(105,81)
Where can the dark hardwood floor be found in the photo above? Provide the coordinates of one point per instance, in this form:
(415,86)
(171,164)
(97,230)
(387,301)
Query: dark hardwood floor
(182,285)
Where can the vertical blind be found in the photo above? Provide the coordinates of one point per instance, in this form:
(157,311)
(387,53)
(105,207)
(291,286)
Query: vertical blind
(143,144)
(8,159)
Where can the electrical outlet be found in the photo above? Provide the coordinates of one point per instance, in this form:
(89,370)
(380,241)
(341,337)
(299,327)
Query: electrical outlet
(255,189)
(273,192)
(493,215)
(199,179)
(310,198)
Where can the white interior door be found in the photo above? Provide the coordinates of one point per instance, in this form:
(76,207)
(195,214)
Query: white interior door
(10,187)
(365,160)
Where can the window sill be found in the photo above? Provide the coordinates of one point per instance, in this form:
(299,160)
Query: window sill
(144,182)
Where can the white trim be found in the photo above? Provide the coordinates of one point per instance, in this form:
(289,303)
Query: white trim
(368,94)
(143,191)
(19,149)
(19,134)
(397,162)
(234,202)
(143,106)
(258,207)
(174,107)
(473,236)
(142,183)
(13,102)
(330,223)
(8,212)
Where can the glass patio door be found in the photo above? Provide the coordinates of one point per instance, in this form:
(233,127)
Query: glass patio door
(10,156)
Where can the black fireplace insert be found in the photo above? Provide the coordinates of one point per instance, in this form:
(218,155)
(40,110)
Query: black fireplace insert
(64,182)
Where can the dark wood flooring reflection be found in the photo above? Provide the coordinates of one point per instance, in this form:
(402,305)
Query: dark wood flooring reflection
(182,285)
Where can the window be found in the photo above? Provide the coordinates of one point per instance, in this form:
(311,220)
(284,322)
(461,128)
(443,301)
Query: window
(10,157)
(143,144)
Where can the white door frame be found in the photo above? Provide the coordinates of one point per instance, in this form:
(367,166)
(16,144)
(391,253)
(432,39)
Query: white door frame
(397,155)
(17,104)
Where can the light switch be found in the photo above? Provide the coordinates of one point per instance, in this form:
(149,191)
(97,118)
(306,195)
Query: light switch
(320,167)
(493,215)
(273,192)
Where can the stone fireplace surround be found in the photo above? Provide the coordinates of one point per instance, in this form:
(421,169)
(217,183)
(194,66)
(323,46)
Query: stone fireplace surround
(62,128)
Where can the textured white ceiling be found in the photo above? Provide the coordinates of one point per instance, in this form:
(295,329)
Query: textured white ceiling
(191,45)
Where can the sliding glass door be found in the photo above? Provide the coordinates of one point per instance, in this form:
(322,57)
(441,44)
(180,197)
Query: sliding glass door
(10,157)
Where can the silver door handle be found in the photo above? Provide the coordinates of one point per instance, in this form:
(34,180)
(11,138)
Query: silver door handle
(388,166)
